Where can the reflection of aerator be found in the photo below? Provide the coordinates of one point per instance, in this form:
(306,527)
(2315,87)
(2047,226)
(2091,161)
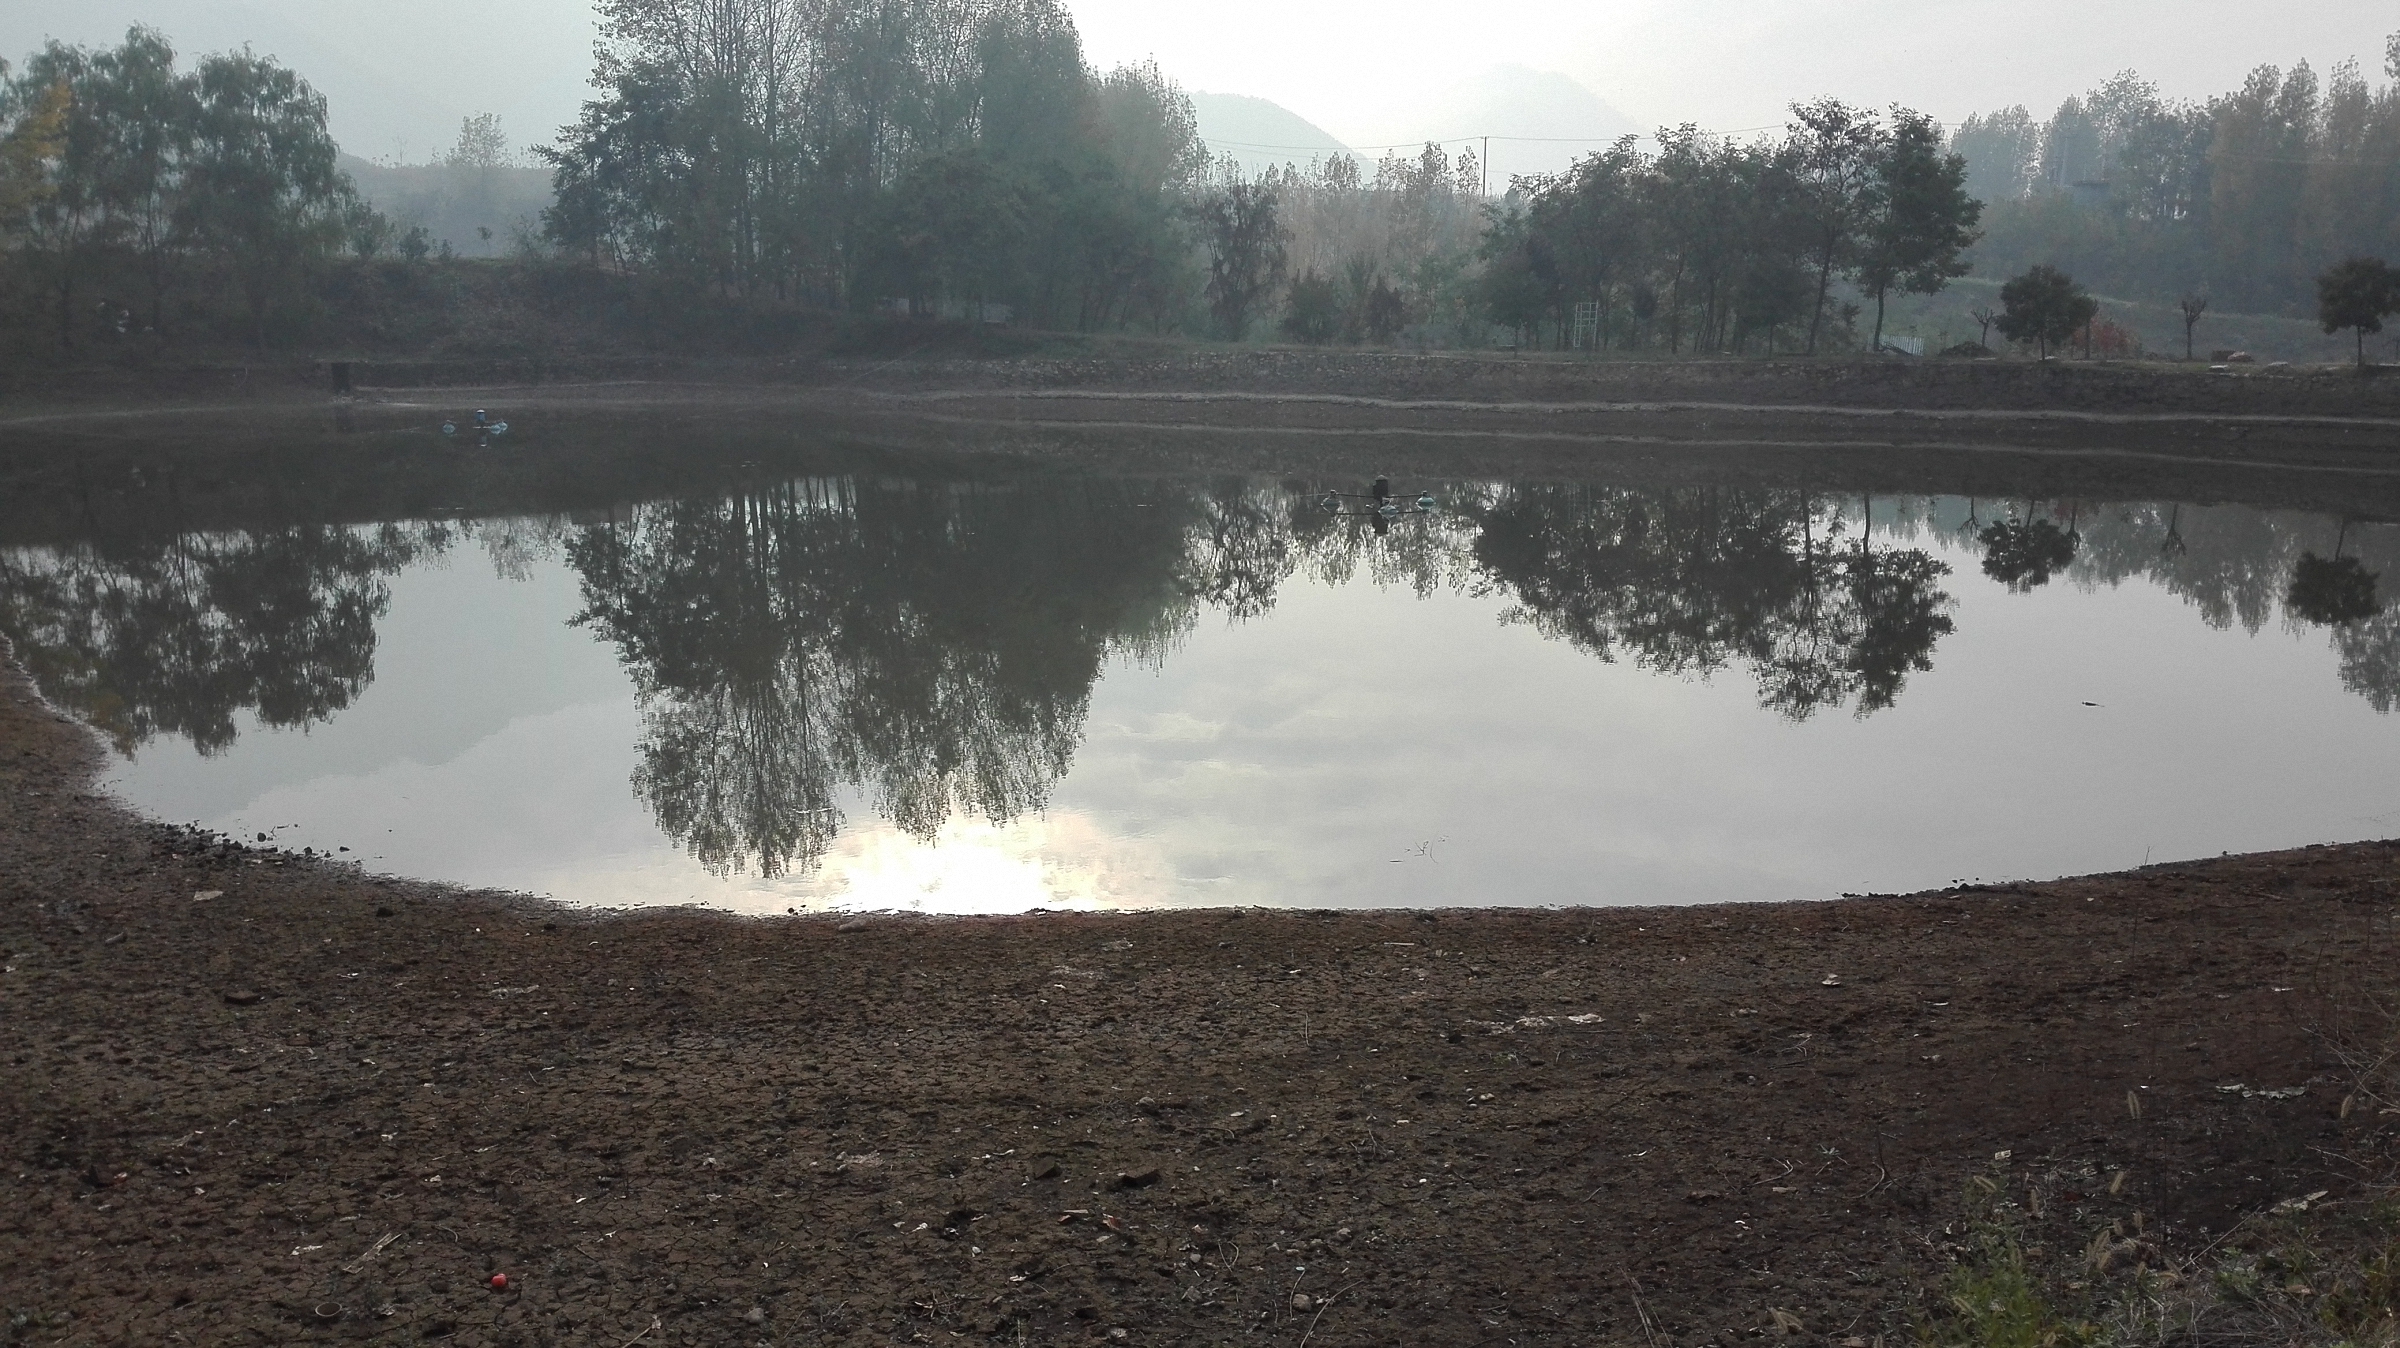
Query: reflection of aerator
(484,427)
(1380,502)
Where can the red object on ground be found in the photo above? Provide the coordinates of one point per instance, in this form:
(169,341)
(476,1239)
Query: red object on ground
(499,1282)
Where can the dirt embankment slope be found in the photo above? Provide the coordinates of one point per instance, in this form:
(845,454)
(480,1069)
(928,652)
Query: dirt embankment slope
(258,1098)
(903,360)
(593,445)
(2009,385)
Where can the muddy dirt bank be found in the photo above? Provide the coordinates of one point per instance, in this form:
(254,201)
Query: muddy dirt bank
(260,1098)
(1067,362)
(2012,384)
(595,447)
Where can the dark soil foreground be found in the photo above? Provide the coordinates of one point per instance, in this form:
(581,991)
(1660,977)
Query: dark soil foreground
(257,1098)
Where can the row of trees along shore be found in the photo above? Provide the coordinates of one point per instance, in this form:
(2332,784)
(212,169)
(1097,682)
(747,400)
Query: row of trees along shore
(128,186)
(2246,197)
(1717,243)
(961,158)
(928,150)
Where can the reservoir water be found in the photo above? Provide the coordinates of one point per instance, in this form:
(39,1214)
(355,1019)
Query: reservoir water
(907,684)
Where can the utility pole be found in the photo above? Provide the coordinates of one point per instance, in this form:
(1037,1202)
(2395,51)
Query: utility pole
(1485,165)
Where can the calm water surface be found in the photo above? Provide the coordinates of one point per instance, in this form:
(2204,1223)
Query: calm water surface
(897,690)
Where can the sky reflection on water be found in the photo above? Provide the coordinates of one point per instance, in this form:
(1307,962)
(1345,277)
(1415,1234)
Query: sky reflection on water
(893,692)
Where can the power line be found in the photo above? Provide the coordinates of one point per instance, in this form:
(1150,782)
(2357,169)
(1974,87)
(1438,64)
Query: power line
(1338,149)
(1469,140)
(1444,140)
(1652,135)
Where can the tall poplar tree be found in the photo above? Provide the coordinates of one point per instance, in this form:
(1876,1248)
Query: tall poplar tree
(1920,220)
(1833,150)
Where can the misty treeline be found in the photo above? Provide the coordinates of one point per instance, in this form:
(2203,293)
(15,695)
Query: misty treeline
(942,155)
(1370,255)
(137,197)
(1714,245)
(2245,197)
(476,199)
(937,156)
(751,162)
(937,152)
(948,155)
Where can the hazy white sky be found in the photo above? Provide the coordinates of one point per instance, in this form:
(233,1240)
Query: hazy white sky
(1724,63)
(401,72)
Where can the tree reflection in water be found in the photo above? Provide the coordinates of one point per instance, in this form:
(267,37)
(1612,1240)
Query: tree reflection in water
(176,637)
(1691,582)
(2370,658)
(934,647)
(2234,564)
(2331,590)
(2339,592)
(930,646)
(2023,556)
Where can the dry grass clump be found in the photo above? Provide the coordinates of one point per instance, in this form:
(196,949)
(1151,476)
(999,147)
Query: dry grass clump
(2306,1274)
(2368,1044)
(2320,1270)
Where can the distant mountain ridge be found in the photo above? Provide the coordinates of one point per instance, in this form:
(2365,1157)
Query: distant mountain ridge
(1537,121)
(1259,133)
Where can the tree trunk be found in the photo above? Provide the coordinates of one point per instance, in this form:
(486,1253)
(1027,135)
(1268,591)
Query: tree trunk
(1675,311)
(1878,347)
(1824,283)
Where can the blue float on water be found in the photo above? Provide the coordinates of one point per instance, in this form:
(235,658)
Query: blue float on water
(483,425)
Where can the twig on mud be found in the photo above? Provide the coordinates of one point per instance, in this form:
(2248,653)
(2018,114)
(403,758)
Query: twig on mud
(1882,1177)
(1642,1312)
(654,1323)
(2351,1161)
(1787,1169)
(375,1249)
(1322,1307)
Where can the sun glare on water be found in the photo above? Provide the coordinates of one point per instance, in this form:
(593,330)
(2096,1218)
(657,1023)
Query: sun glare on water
(1062,860)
